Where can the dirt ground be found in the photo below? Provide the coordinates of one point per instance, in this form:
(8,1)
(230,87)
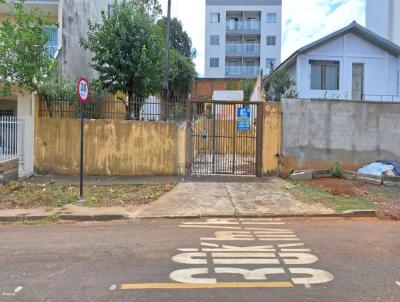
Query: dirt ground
(24,195)
(385,199)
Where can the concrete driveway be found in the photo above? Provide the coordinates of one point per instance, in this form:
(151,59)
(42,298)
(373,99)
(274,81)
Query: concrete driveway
(192,199)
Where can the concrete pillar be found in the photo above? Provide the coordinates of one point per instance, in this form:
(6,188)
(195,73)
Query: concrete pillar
(26,110)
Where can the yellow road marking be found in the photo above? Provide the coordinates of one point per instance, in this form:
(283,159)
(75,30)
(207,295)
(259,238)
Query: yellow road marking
(205,286)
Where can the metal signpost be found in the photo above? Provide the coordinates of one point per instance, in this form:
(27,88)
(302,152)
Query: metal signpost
(243,119)
(84,94)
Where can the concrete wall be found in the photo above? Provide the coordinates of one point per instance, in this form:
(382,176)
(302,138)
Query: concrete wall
(112,147)
(381,69)
(75,61)
(317,134)
(204,88)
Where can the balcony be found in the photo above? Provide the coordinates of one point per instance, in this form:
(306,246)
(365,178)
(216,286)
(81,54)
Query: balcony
(246,49)
(242,71)
(249,26)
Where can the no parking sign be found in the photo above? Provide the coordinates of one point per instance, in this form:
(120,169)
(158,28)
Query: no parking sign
(83,90)
(83,94)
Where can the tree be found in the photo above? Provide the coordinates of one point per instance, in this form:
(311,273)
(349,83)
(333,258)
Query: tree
(128,53)
(247,87)
(279,84)
(179,38)
(24,61)
(182,68)
(181,75)
(152,7)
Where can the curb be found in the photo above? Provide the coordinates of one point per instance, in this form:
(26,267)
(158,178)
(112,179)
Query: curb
(347,214)
(105,218)
(77,218)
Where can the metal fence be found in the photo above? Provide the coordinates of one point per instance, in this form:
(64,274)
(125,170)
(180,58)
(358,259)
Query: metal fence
(152,108)
(381,98)
(12,139)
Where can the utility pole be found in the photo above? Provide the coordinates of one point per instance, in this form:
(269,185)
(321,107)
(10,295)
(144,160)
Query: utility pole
(167,53)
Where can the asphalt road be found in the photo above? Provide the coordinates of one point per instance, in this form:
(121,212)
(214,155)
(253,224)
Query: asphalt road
(247,260)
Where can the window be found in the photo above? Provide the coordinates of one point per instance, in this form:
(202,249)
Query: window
(215,18)
(324,75)
(52,44)
(271,18)
(214,40)
(271,40)
(270,63)
(214,62)
(109,10)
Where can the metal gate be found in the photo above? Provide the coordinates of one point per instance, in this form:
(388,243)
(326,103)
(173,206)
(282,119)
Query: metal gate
(225,137)
(12,130)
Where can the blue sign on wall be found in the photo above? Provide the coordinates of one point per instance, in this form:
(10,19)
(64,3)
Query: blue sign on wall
(243,117)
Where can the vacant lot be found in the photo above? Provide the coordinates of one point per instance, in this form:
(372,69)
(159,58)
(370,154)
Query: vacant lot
(27,195)
(343,195)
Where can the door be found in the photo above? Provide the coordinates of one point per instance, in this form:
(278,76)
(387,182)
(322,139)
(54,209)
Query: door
(358,82)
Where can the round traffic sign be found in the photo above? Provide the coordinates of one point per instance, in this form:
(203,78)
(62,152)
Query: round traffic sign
(83,90)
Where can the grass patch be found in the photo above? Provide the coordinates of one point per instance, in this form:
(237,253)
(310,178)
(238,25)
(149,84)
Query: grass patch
(25,195)
(339,203)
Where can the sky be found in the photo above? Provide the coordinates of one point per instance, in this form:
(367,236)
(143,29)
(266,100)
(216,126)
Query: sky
(304,21)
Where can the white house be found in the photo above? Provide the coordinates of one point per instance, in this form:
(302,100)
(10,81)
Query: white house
(351,63)
(242,37)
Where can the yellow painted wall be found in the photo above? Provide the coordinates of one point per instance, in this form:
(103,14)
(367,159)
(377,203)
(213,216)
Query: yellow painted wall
(112,147)
(272,138)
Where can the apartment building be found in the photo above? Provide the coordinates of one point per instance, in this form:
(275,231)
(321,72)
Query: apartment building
(72,17)
(382,17)
(243,37)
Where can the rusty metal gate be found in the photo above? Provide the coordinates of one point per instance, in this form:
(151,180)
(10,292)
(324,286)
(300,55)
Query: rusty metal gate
(225,137)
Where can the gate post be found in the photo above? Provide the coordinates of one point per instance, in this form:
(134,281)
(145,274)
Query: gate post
(188,139)
(260,139)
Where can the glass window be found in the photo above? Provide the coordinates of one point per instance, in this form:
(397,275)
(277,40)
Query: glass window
(271,18)
(214,40)
(271,40)
(214,62)
(215,18)
(109,10)
(270,63)
(52,44)
(325,75)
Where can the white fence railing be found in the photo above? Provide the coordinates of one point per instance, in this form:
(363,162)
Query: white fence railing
(12,131)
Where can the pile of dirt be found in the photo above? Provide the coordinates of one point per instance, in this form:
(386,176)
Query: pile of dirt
(386,199)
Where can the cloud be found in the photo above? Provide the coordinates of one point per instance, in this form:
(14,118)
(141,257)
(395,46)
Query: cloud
(308,20)
(304,21)
(192,14)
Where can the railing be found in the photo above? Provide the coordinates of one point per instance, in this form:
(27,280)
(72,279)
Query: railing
(381,98)
(152,108)
(243,25)
(242,71)
(12,139)
(242,49)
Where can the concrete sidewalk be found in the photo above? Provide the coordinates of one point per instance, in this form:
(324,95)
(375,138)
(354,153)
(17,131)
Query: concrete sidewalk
(195,199)
(230,199)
